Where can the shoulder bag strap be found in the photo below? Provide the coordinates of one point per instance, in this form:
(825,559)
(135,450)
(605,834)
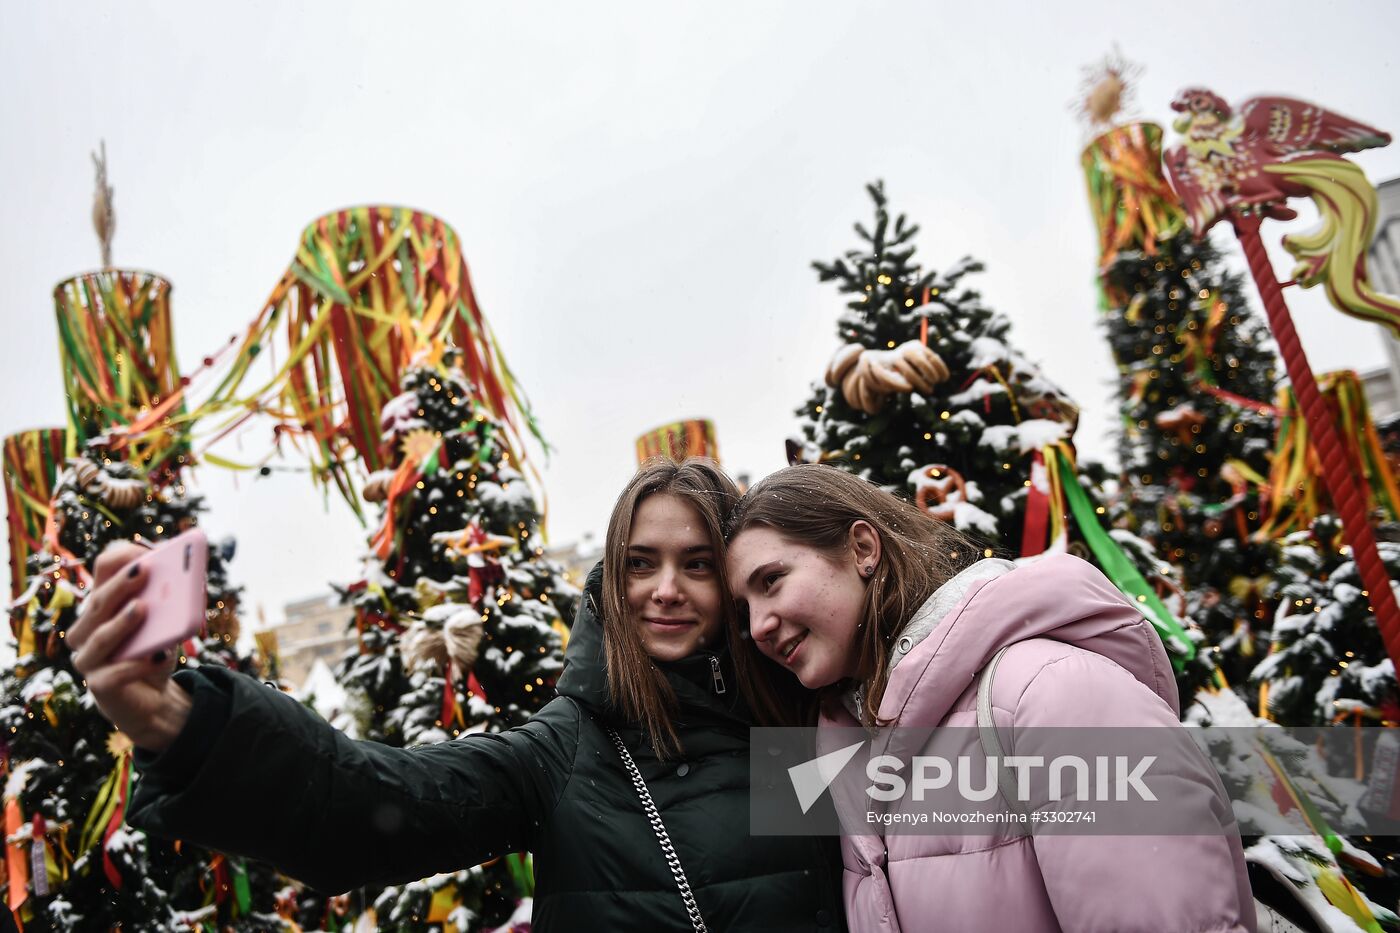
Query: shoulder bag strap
(991,741)
(654,817)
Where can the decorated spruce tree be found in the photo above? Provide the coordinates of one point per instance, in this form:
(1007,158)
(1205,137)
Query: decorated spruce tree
(71,863)
(962,401)
(69,771)
(1197,379)
(928,397)
(1328,666)
(1327,662)
(461,618)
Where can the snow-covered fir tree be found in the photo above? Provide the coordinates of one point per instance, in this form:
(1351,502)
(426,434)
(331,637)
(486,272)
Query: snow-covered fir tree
(1327,665)
(1197,379)
(974,415)
(461,618)
(67,766)
(955,418)
(1326,658)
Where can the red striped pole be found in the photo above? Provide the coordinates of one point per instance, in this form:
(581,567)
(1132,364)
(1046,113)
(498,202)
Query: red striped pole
(1348,495)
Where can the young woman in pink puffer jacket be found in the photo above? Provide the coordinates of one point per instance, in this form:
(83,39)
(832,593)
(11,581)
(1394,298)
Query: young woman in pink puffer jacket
(877,605)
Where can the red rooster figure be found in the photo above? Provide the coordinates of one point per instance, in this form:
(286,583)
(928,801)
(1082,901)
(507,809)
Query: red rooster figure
(1224,161)
(1273,149)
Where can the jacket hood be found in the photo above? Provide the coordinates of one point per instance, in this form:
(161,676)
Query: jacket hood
(585,674)
(1058,597)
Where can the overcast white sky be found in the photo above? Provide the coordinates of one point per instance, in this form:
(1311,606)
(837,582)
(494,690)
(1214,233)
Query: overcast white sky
(639,188)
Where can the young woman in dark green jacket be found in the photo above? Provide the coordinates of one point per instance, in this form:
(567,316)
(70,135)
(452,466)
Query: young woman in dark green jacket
(655,659)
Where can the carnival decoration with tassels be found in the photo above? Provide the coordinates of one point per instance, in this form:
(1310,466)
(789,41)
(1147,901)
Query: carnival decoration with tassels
(370,290)
(1295,492)
(1132,204)
(32,462)
(693,438)
(1244,166)
(118,358)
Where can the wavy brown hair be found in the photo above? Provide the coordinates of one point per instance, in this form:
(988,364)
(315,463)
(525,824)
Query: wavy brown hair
(815,505)
(636,686)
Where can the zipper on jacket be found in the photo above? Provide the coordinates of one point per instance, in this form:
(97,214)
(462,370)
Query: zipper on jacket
(716,674)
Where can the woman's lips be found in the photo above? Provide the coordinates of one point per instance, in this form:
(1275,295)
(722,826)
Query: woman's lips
(670,625)
(793,649)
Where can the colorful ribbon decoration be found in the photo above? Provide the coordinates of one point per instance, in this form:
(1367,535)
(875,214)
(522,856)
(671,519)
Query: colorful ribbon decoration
(1132,204)
(1059,461)
(32,462)
(16,861)
(1296,492)
(445,900)
(1199,347)
(370,290)
(681,439)
(1045,510)
(419,460)
(522,870)
(1339,892)
(118,361)
(108,811)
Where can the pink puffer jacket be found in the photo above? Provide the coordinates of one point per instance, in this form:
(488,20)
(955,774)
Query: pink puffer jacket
(1081,656)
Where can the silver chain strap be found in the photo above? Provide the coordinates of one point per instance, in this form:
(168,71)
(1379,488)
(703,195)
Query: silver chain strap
(673,860)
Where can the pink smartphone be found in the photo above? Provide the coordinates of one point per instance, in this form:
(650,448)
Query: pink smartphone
(174,595)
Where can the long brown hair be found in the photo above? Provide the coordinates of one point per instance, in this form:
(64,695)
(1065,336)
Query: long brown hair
(816,505)
(636,687)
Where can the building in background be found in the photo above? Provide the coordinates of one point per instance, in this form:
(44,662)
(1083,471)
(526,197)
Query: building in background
(320,628)
(577,558)
(1383,264)
(317,628)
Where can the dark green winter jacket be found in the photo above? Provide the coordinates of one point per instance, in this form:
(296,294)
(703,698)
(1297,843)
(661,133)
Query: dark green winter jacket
(255,773)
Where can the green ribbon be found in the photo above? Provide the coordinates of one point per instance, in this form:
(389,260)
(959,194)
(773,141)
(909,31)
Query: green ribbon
(522,870)
(1121,570)
(242,896)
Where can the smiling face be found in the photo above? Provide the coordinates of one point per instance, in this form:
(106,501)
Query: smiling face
(804,607)
(673,588)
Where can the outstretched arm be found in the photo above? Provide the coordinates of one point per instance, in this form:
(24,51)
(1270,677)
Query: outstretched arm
(278,783)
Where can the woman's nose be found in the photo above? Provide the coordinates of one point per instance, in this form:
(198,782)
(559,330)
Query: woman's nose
(762,625)
(667,587)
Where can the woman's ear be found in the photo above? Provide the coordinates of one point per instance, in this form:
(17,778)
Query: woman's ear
(864,544)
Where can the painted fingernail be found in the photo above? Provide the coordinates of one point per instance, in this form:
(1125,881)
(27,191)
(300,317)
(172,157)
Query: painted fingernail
(135,569)
(160,656)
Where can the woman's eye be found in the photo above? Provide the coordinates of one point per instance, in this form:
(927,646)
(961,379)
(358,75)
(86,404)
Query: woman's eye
(702,563)
(637,564)
(769,580)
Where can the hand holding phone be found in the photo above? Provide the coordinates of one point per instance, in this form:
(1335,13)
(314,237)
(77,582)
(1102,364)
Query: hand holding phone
(174,595)
(142,602)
